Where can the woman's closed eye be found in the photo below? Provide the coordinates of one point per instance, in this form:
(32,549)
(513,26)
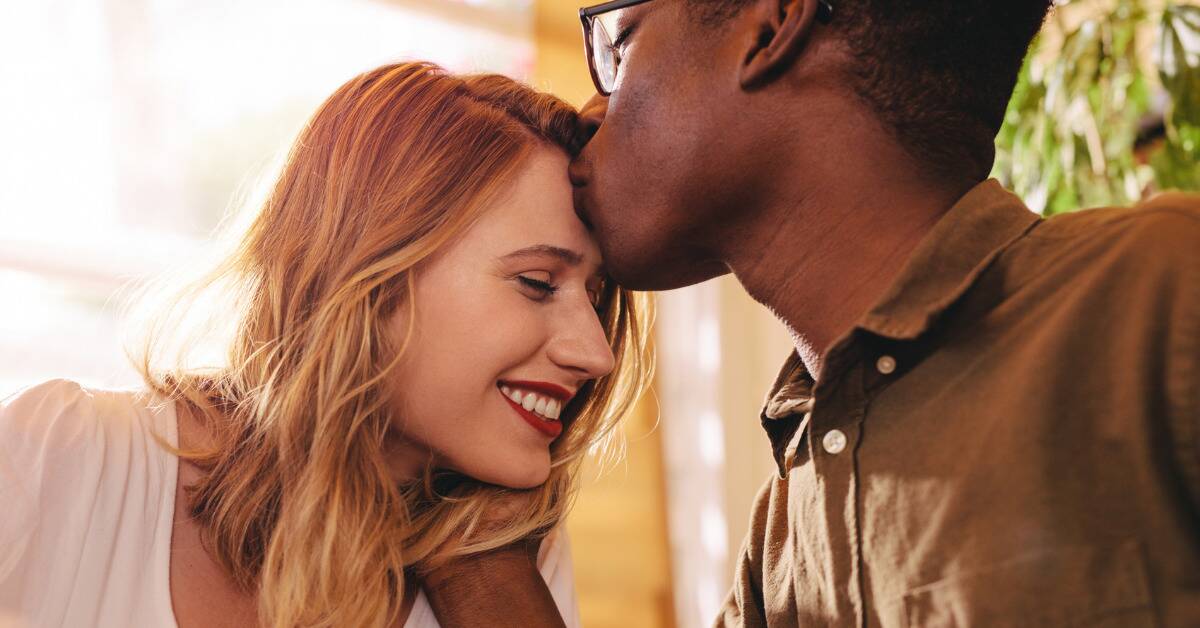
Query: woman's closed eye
(537,289)
(540,290)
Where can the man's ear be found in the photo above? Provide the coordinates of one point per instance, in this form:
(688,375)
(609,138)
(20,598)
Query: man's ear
(780,31)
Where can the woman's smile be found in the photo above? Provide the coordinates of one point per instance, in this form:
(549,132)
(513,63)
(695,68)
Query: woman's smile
(540,404)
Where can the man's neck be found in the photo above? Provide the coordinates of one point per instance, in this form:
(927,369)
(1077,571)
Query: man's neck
(821,257)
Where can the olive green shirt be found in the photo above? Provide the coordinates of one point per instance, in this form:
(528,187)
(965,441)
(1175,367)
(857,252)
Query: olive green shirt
(1010,437)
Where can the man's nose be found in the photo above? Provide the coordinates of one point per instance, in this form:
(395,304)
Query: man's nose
(592,115)
(590,119)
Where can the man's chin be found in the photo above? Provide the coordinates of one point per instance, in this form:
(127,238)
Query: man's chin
(648,274)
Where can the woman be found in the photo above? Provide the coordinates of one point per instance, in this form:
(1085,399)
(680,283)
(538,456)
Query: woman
(422,325)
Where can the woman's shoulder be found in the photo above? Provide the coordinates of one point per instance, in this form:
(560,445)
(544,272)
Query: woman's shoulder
(86,489)
(55,413)
(45,432)
(62,418)
(60,435)
(60,438)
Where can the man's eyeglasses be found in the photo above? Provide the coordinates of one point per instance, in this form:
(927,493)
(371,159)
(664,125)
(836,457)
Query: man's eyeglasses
(602,41)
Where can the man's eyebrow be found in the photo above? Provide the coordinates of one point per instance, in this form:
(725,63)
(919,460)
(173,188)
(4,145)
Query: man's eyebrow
(625,21)
(571,258)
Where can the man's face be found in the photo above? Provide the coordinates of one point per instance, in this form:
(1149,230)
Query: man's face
(660,179)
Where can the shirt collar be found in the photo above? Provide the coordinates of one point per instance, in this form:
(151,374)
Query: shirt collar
(946,263)
(962,244)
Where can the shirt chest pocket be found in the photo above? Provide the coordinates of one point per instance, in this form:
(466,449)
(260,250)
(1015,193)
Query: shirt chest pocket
(1076,586)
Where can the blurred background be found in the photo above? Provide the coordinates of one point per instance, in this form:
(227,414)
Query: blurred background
(130,127)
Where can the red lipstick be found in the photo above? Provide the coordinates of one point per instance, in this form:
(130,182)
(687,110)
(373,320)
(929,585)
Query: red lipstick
(549,428)
(545,388)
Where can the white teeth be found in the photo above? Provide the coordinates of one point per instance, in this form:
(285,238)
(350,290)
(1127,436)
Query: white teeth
(546,407)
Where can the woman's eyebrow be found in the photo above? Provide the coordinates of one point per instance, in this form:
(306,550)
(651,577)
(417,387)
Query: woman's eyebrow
(571,258)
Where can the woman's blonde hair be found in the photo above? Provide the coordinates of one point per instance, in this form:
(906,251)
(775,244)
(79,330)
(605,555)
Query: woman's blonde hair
(296,502)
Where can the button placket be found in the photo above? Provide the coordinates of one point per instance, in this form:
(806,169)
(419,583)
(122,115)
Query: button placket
(885,362)
(835,427)
(834,442)
(886,365)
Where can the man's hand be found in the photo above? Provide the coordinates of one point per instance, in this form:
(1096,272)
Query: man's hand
(502,587)
(498,588)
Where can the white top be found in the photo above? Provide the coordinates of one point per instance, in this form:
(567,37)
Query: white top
(87,499)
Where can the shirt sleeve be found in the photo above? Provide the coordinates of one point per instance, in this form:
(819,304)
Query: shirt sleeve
(37,429)
(744,607)
(16,525)
(557,569)
(1172,237)
(1184,382)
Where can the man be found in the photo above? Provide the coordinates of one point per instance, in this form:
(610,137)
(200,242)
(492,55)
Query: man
(990,419)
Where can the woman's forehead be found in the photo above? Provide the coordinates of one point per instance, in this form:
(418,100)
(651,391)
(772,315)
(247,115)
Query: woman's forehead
(538,211)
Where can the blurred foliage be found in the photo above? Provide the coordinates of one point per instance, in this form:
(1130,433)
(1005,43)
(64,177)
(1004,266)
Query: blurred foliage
(1086,93)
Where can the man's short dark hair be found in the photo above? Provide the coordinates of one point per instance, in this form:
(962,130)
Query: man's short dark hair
(940,73)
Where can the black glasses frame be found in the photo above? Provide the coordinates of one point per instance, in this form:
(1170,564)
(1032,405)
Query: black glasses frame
(587,15)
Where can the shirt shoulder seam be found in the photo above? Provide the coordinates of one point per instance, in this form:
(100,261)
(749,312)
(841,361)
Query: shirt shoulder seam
(1045,230)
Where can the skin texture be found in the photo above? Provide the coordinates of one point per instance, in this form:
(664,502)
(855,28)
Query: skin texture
(735,148)
(477,323)
(480,322)
(761,161)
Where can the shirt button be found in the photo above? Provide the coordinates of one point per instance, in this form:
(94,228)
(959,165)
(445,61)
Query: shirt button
(886,364)
(834,442)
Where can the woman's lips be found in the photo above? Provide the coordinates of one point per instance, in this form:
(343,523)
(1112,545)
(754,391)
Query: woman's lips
(545,426)
(545,388)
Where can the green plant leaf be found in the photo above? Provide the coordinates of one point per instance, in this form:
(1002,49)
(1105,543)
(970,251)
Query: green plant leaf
(1069,131)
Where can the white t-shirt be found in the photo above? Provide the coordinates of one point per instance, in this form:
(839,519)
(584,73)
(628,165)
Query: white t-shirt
(87,502)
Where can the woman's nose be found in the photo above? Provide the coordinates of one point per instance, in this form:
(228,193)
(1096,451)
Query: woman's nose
(581,347)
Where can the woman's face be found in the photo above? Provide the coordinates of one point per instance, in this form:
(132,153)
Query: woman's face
(505,334)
